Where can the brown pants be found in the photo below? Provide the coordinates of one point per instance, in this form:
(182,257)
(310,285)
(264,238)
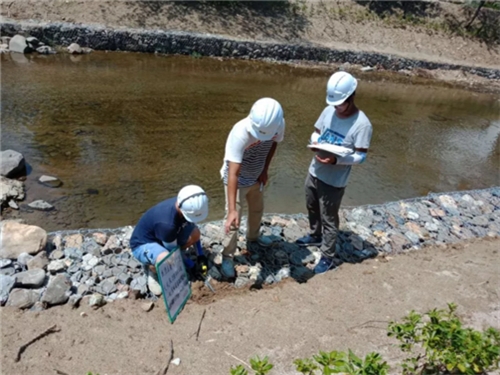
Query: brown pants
(255,199)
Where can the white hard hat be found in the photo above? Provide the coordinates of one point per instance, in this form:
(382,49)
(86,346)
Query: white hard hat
(193,203)
(266,116)
(340,86)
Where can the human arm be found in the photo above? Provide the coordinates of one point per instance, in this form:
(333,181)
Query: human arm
(232,219)
(263,176)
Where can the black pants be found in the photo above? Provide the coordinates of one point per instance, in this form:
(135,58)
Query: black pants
(323,204)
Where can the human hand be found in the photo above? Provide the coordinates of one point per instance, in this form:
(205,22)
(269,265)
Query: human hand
(232,221)
(314,149)
(263,177)
(328,160)
(202,265)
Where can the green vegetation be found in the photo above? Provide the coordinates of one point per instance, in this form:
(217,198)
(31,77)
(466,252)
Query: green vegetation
(436,343)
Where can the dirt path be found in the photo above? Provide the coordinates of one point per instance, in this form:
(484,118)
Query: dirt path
(427,33)
(343,309)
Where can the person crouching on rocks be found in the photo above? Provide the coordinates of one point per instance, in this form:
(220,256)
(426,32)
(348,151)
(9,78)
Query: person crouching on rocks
(165,226)
(250,147)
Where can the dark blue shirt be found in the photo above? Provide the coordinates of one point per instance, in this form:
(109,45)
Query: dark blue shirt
(159,223)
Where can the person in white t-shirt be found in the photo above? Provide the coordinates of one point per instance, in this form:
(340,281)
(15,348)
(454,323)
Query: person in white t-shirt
(250,147)
(341,123)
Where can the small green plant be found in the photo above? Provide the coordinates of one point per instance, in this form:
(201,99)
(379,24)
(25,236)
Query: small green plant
(261,366)
(341,362)
(196,55)
(239,370)
(441,345)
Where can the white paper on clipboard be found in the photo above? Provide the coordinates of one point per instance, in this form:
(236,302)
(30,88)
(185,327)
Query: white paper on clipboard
(334,149)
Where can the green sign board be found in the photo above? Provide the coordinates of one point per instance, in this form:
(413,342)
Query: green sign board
(175,286)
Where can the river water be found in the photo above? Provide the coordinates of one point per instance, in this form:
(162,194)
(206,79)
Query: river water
(124,131)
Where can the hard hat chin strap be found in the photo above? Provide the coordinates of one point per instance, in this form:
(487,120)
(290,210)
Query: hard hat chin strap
(189,197)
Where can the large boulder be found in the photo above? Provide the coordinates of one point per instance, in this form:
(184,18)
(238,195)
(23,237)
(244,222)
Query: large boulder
(17,238)
(18,44)
(11,163)
(10,189)
(30,279)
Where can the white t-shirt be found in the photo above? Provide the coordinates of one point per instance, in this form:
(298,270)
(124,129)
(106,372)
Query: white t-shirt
(243,148)
(353,132)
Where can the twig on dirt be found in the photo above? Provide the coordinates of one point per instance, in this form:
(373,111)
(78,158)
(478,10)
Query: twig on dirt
(59,372)
(199,325)
(246,364)
(164,371)
(369,321)
(48,331)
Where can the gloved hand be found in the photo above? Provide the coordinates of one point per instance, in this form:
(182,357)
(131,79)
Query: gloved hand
(201,266)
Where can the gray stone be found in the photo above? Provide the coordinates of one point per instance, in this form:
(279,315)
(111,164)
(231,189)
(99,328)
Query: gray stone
(100,238)
(46,50)
(13,205)
(362,217)
(139,283)
(74,300)
(107,286)
(481,221)
(431,227)
(399,241)
(293,231)
(18,238)
(76,277)
(57,291)
(50,181)
(96,300)
(11,163)
(122,295)
(41,205)
(367,69)
(301,274)
(124,278)
(30,279)
(57,266)
(24,258)
(75,49)
(413,237)
(74,240)
(8,271)
(99,270)
(241,281)
(412,215)
(39,261)
(5,263)
(74,268)
(134,264)
(38,307)
(112,245)
(33,42)
(6,285)
(56,254)
(73,253)
(83,289)
(23,298)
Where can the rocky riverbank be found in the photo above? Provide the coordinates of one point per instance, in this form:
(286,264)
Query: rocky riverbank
(196,44)
(40,269)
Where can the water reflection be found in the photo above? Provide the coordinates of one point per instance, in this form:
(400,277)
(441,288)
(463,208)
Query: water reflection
(137,127)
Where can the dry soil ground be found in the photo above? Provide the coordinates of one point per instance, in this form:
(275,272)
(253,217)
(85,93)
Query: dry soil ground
(346,308)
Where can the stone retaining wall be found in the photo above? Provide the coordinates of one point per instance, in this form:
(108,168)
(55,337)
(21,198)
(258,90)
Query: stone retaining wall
(184,43)
(97,264)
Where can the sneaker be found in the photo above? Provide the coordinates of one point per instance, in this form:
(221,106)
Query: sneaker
(227,268)
(324,265)
(153,284)
(309,241)
(261,241)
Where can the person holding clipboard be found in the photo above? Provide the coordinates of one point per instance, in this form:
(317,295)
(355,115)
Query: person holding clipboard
(342,137)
